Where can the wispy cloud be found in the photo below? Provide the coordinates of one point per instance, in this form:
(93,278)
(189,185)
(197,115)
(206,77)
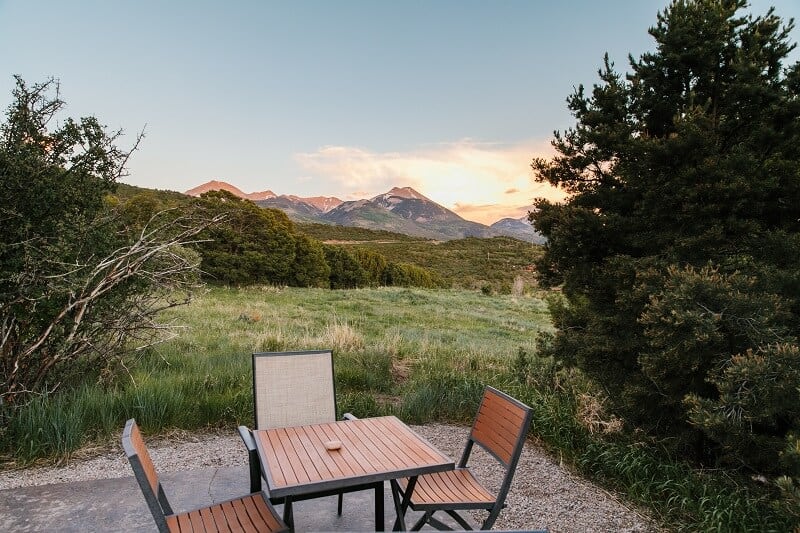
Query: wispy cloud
(479,181)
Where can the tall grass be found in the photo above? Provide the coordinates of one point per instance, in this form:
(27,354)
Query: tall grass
(382,339)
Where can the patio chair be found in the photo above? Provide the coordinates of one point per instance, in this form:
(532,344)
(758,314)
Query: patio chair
(292,389)
(500,427)
(248,513)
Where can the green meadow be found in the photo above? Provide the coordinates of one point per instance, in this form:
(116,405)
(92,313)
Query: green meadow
(423,355)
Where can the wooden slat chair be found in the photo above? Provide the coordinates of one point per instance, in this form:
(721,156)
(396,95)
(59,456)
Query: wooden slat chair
(292,389)
(248,513)
(500,427)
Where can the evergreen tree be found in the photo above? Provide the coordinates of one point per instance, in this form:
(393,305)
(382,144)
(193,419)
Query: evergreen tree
(679,246)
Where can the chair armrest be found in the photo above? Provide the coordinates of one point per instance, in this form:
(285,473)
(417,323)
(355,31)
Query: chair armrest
(247,438)
(349,416)
(252,457)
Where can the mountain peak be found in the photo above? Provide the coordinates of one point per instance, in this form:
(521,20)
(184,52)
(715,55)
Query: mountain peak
(405,192)
(216,185)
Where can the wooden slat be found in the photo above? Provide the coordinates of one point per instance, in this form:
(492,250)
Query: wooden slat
(219,519)
(451,487)
(281,459)
(242,514)
(208,519)
(397,452)
(328,459)
(250,514)
(268,517)
(372,449)
(410,442)
(498,425)
(317,459)
(371,458)
(302,464)
(367,459)
(343,457)
(172,523)
(144,457)
(268,454)
(197,521)
(230,515)
(350,464)
(185,523)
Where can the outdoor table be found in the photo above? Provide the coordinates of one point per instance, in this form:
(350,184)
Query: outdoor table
(296,461)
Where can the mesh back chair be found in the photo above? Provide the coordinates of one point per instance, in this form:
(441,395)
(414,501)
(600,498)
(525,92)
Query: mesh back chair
(500,428)
(248,513)
(292,389)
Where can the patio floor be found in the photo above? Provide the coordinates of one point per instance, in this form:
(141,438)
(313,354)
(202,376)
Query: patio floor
(117,504)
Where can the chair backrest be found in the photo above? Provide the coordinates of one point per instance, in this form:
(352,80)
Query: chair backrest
(293,388)
(501,425)
(146,474)
(500,428)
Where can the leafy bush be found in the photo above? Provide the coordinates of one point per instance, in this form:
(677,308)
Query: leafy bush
(346,270)
(81,273)
(250,245)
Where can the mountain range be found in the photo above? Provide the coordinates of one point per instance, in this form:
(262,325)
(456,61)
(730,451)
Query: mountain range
(400,210)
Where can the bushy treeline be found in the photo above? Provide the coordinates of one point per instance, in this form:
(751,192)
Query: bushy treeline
(253,245)
(489,264)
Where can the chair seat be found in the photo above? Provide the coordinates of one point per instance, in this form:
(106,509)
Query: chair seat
(249,513)
(453,489)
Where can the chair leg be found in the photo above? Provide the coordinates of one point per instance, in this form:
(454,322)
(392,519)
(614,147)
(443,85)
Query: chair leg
(339,506)
(458,518)
(422,521)
(493,513)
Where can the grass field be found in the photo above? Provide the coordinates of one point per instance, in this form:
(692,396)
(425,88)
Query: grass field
(424,355)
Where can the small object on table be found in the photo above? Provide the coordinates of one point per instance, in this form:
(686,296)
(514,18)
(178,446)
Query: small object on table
(333,445)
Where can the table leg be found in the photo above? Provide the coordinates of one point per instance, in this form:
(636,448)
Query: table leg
(379,526)
(288,514)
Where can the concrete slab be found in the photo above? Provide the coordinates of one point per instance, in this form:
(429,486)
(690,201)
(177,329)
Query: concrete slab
(118,505)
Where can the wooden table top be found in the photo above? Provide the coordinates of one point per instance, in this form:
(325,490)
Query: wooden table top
(295,460)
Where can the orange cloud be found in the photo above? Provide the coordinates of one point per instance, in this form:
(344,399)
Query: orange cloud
(477,180)
(489,213)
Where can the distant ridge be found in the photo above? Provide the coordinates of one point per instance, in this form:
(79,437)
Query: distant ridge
(518,228)
(400,210)
(323,203)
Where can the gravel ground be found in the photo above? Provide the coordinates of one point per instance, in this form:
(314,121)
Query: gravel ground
(543,493)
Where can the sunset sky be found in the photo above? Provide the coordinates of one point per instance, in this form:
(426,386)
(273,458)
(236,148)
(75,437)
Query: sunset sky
(334,98)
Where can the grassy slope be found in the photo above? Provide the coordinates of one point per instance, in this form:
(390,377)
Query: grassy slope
(463,263)
(387,341)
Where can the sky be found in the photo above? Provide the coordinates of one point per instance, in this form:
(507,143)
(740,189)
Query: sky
(333,98)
